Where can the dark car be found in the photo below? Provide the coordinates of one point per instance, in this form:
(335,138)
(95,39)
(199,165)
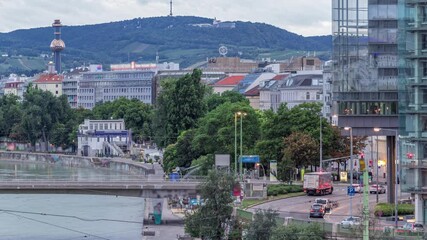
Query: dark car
(317,210)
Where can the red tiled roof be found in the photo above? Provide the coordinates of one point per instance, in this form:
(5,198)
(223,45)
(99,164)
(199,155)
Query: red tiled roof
(49,78)
(280,77)
(231,80)
(252,92)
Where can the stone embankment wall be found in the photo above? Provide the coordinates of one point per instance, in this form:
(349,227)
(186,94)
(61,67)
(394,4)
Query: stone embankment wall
(124,165)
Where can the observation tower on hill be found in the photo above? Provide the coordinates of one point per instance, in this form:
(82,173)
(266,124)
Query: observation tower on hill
(57,45)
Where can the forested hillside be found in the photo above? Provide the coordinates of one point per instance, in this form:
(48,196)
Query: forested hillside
(173,38)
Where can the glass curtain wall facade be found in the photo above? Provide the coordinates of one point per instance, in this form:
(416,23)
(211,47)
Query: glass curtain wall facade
(413,102)
(365,64)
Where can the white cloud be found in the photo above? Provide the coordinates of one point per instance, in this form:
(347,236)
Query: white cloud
(305,17)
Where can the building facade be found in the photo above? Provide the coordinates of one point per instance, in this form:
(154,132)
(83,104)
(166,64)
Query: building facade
(98,87)
(413,102)
(364,85)
(70,88)
(103,138)
(302,87)
(50,82)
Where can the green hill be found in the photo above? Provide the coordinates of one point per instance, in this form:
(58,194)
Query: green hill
(173,38)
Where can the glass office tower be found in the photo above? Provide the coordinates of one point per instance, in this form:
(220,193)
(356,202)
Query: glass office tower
(413,102)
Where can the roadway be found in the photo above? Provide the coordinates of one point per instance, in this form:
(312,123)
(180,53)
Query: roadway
(299,207)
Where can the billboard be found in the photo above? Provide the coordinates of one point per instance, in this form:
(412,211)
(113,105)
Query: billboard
(222,160)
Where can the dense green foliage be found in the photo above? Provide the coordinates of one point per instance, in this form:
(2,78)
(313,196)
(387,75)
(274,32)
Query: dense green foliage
(174,38)
(298,232)
(262,225)
(209,221)
(387,209)
(179,106)
(278,189)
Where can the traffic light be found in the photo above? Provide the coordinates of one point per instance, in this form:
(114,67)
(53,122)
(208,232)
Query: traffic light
(410,155)
(362,164)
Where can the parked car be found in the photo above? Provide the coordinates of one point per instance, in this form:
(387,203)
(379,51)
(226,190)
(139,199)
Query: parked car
(325,202)
(411,226)
(351,222)
(375,187)
(317,210)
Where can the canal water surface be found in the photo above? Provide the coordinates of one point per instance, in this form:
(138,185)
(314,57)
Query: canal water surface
(67,216)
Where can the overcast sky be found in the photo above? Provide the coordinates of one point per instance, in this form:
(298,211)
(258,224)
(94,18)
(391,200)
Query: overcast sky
(304,17)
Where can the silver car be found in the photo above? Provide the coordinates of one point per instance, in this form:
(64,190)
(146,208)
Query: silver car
(351,222)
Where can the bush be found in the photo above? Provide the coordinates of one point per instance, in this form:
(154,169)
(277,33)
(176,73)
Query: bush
(387,209)
(278,189)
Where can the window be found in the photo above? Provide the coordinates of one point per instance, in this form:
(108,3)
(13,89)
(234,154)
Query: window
(317,96)
(307,96)
(310,62)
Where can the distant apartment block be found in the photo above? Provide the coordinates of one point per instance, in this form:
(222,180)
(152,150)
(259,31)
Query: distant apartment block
(98,87)
(231,65)
(50,82)
(227,84)
(292,89)
(15,84)
(302,63)
(70,85)
(14,88)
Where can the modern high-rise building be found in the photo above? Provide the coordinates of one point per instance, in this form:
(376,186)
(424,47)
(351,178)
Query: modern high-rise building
(57,45)
(365,72)
(413,102)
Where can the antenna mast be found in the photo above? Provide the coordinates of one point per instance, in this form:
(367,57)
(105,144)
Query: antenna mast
(170,14)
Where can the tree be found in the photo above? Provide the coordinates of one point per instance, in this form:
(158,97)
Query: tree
(183,151)
(262,225)
(179,106)
(215,133)
(212,218)
(216,99)
(136,114)
(41,112)
(301,149)
(298,232)
(10,114)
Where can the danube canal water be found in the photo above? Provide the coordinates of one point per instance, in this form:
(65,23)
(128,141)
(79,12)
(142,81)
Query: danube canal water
(67,216)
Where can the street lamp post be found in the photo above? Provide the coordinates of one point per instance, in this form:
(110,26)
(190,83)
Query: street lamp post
(377,169)
(321,144)
(236,115)
(241,143)
(235,143)
(396,132)
(351,166)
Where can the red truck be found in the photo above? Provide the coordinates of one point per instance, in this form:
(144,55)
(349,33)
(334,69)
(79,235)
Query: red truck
(318,183)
